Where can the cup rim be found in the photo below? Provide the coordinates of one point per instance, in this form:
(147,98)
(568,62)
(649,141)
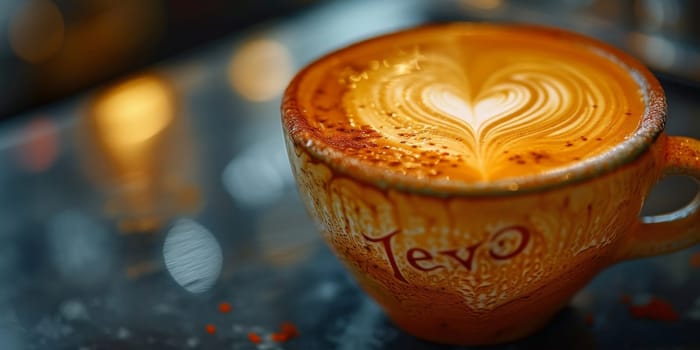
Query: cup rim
(302,134)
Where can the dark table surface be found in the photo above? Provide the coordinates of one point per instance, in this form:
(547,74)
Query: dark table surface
(83,268)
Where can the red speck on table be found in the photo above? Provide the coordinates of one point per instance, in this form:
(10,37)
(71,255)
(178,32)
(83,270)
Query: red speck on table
(225,308)
(254,338)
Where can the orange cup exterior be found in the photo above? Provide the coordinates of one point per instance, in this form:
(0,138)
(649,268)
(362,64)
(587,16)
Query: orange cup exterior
(487,267)
(474,270)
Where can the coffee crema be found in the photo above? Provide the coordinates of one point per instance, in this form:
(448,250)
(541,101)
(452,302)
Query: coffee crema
(470,102)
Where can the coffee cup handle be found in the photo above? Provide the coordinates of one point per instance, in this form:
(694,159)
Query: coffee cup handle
(655,235)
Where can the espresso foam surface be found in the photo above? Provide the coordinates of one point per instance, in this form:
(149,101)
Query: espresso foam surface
(470,104)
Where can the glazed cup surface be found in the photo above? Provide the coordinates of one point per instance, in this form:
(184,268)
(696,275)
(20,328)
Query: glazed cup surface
(464,264)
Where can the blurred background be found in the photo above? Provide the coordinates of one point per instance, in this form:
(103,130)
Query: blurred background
(144,178)
(50,49)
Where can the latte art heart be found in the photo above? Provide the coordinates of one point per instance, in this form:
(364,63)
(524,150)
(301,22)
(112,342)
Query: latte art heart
(479,109)
(474,114)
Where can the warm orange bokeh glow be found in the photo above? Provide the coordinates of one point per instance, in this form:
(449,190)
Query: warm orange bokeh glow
(260,69)
(139,153)
(133,112)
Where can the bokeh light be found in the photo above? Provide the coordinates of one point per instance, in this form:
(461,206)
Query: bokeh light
(260,69)
(192,256)
(133,112)
(36,31)
(655,14)
(139,152)
(657,51)
(80,248)
(259,175)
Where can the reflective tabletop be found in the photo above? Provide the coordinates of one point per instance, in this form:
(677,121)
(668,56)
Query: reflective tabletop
(160,213)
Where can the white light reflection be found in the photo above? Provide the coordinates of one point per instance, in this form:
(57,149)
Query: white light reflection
(80,248)
(260,69)
(259,175)
(658,52)
(655,14)
(192,256)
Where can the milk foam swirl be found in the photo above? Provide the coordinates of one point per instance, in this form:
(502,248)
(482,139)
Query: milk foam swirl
(470,103)
(523,104)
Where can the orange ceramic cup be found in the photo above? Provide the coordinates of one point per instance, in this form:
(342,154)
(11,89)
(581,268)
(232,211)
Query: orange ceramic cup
(461,263)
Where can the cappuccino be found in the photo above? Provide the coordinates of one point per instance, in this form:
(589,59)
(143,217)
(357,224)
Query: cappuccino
(474,177)
(470,103)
